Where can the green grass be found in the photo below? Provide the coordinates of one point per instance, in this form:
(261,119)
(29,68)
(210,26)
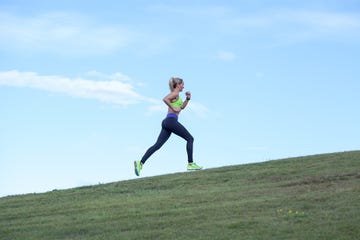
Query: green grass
(313,197)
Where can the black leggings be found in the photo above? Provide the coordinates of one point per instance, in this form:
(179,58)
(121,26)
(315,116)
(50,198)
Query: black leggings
(171,125)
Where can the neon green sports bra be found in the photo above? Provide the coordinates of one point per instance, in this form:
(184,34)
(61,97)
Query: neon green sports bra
(177,103)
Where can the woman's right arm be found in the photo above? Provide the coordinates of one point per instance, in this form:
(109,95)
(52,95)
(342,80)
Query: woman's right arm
(167,99)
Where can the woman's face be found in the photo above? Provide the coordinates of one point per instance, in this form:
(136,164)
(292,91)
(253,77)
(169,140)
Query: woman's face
(180,86)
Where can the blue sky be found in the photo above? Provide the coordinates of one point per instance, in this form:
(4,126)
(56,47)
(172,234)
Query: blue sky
(82,82)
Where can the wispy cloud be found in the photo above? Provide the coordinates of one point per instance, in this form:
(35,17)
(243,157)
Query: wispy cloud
(310,18)
(333,21)
(292,24)
(207,11)
(114,90)
(194,108)
(198,109)
(266,17)
(61,33)
(226,56)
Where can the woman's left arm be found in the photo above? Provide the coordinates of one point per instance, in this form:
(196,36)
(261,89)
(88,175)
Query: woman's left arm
(188,97)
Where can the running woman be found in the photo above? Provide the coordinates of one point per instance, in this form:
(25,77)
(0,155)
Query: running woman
(171,125)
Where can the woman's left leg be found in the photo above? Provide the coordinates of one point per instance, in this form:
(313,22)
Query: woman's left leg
(163,137)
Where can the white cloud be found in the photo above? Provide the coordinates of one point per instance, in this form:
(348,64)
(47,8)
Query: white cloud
(226,56)
(198,109)
(61,33)
(310,18)
(157,107)
(193,108)
(286,24)
(191,10)
(112,91)
(328,26)
(118,76)
(324,20)
(115,89)
(259,75)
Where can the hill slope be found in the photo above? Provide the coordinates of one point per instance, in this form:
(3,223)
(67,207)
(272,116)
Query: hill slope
(313,197)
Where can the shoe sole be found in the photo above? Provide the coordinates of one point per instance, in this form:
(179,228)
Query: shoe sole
(194,169)
(136,170)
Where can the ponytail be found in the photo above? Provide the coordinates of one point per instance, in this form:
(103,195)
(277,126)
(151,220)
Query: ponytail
(173,82)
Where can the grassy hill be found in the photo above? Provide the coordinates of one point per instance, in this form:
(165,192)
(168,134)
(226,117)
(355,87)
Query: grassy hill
(313,197)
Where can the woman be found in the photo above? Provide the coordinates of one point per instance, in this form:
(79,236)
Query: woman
(171,125)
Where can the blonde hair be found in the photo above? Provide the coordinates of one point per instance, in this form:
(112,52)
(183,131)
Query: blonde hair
(173,82)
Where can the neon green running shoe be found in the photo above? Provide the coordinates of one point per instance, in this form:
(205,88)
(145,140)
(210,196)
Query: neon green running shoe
(193,166)
(138,167)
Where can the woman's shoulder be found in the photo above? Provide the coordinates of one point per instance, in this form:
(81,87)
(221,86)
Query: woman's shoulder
(173,95)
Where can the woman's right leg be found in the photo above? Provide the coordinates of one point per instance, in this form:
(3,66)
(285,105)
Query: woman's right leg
(174,126)
(163,137)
